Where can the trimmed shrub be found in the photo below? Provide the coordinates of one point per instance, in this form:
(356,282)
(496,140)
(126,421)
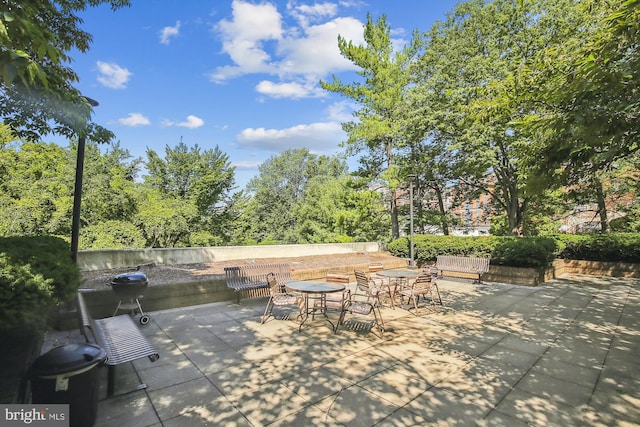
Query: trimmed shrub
(524,251)
(509,251)
(614,247)
(36,275)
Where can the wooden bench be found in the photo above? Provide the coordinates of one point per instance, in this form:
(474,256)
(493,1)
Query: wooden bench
(120,338)
(462,264)
(252,279)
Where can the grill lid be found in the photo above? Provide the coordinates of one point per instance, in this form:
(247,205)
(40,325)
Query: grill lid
(125,279)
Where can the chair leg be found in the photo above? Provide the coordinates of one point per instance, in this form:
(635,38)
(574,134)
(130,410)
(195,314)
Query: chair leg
(267,310)
(438,292)
(379,321)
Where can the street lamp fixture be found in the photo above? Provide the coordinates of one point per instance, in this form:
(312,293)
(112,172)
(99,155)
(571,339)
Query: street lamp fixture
(77,192)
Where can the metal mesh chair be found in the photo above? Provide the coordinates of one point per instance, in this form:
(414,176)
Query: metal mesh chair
(279,296)
(360,303)
(423,285)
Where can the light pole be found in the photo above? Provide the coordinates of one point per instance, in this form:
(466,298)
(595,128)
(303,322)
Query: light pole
(411,256)
(77,192)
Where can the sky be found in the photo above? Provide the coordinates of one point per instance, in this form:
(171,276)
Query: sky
(242,75)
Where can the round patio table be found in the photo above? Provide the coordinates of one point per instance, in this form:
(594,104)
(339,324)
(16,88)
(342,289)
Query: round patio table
(396,274)
(319,290)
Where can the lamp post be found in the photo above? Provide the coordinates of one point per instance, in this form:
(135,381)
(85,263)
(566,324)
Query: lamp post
(77,192)
(411,256)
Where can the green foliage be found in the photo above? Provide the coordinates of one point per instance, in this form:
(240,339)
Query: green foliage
(36,275)
(381,93)
(112,234)
(524,251)
(37,96)
(614,247)
(36,189)
(186,191)
(506,250)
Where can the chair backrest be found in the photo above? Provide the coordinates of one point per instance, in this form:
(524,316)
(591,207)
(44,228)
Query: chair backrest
(362,281)
(374,268)
(423,281)
(274,287)
(338,277)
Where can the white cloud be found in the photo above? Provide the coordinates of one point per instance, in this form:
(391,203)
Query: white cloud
(134,119)
(112,75)
(246,164)
(341,111)
(317,137)
(192,122)
(289,90)
(167,33)
(307,13)
(316,53)
(257,43)
(243,37)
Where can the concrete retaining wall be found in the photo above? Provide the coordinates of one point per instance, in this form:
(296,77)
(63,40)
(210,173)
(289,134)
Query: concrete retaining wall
(123,258)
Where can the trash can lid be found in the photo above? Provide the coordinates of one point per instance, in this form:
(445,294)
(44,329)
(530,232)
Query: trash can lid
(67,359)
(137,278)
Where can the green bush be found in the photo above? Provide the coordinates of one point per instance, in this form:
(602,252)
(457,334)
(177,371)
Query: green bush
(36,275)
(524,251)
(614,247)
(112,235)
(511,251)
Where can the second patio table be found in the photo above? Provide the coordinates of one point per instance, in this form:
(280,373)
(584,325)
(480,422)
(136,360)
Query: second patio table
(396,274)
(321,289)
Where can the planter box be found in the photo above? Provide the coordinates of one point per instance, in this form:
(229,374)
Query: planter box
(598,268)
(522,276)
(537,276)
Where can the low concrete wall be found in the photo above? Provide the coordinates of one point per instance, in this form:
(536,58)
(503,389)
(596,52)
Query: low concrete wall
(123,258)
(102,303)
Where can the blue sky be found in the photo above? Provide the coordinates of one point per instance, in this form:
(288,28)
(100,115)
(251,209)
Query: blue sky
(239,74)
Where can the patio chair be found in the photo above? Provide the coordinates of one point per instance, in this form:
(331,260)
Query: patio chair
(334,300)
(423,285)
(359,303)
(279,296)
(370,288)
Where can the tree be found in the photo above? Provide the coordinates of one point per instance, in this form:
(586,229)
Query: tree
(471,86)
(201,178)
(587,90)
(37,96)
(585,98)
(377,131)
(109,189)
(36,188)
(278,192)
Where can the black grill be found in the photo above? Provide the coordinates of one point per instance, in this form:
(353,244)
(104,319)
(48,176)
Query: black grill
(130,288)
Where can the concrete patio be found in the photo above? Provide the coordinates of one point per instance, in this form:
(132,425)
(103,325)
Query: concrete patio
(561,354)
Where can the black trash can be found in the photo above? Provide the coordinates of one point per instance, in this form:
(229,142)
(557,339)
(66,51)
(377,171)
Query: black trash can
(69,374)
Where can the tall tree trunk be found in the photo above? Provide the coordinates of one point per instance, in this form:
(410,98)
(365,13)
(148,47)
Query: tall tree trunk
(602,205)
(395,225)
(444,223)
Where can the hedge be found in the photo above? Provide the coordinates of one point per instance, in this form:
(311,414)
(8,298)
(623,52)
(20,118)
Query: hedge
(523,251)
(37,274)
